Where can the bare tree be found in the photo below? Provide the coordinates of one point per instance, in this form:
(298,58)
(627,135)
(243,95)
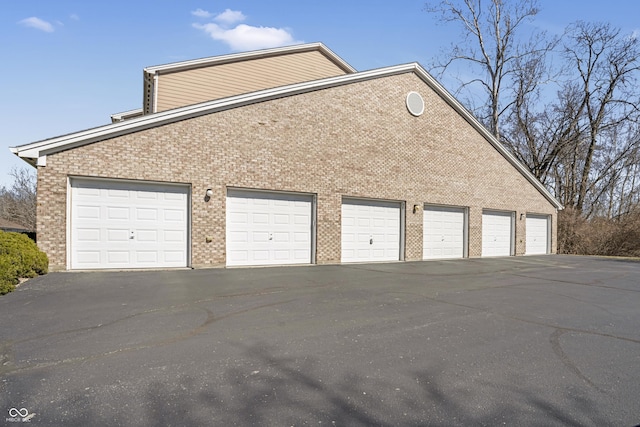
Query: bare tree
(607,71)
(583,142)
(492,48)
(576,126)
(18,203)
(535,130)
(593,133)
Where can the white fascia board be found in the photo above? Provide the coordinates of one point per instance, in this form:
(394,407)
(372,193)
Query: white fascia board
(136,124)
(50,146)
(30,160)
(235,57)
(471,119)
(125,114)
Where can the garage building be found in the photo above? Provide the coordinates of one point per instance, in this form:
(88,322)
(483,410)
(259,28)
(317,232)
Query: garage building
(285,156)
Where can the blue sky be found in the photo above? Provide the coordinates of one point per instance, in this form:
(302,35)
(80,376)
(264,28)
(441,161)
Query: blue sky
(66,65)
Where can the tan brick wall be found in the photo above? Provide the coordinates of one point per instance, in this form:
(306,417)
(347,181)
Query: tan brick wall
(353,140)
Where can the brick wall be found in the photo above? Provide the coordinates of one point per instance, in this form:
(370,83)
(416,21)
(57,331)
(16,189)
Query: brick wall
(353,140)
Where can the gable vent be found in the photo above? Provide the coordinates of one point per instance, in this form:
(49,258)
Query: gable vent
(415,103)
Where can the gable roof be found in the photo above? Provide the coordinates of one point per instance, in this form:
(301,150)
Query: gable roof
(36,152)
(7,225)
(205,79)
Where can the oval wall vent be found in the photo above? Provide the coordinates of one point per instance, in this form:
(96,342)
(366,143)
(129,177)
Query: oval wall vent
(415,103)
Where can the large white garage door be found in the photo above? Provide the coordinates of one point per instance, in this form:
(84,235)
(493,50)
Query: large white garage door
(497,233)
(537,234)
(443,232)
(370,230)
(119,224)
(266,228)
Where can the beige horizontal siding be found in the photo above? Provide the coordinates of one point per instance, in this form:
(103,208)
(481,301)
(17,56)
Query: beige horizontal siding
(219,81)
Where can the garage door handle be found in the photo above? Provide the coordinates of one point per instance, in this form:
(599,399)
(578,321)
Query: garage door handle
(131,236)
(371,241)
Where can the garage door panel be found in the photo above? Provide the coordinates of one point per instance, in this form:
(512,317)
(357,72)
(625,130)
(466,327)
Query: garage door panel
(239,236)
(260,218)
(172,256)
(280,237)
(285,204)
(259,236)
(117,213)
(89,257)
(87,192)
(281,219)
(174,215)
(301,238)
(150,236)
(282,256)
(117,235)
(147,257)
(237,256)
(118,194)
(155,196)
(370,230)
(277,226)
(118,257)
(146,214)
(174,236)
(88,235)
(259,255)
(236,217)
(302,219)
(88,212)
(128,219)
(364,222)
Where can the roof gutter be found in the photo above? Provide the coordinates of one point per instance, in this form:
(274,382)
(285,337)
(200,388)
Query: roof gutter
(473,121)
(40,149)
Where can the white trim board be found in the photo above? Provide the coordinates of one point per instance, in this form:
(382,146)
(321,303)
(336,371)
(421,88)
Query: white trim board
(31,152)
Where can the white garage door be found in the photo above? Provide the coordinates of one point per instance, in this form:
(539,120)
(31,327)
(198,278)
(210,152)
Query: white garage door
(266,228)
(118,224)
(497,233)
(443,232)
(370,230)
(537,234)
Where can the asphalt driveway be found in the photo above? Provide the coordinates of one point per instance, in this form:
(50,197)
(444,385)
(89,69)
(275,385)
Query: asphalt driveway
(550,340)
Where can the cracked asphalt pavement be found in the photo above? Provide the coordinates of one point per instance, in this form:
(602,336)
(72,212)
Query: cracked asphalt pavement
(545,340)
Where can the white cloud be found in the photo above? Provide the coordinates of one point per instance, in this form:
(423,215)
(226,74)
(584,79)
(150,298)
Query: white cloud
(201,13)
(230,17)
(74,17)
(247,37)
(38,24)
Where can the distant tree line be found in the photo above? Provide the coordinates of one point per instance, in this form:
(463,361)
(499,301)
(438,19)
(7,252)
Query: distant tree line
(566,106)
(18,202)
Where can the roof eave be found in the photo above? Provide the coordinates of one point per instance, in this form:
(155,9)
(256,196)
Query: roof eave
(471,119)
(255,54)
(125,115)
(32,161)
(50,146)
